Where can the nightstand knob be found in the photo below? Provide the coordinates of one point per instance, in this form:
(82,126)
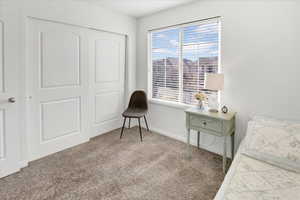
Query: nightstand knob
(204,123)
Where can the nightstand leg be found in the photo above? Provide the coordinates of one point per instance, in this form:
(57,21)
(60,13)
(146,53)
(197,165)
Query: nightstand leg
(198,140)
(225,155)
(188,142)
(232,145)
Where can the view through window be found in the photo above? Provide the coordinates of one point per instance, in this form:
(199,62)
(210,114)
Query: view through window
(180,57)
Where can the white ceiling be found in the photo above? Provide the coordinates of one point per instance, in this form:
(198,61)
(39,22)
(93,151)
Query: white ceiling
(139,8)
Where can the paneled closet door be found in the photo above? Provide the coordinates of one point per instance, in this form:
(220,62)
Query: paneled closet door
(58,69)
(107,80)
(9,101)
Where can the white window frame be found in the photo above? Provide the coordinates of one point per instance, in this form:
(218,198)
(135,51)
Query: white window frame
(150,67)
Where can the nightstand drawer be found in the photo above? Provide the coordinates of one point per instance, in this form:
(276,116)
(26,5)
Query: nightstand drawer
(206,123)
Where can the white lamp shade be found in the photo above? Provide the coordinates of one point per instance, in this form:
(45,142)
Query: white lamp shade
(214,81)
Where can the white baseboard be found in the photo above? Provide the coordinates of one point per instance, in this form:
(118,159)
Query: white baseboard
(8,172)
(23,164)
(183,139)
(104,127)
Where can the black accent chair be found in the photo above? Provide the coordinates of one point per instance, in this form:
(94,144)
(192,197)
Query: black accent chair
(137,108)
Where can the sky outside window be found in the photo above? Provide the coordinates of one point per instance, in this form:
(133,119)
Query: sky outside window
(179,80)
(198,41)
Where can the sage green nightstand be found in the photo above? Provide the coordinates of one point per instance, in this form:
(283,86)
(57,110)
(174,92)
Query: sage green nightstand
(217,124)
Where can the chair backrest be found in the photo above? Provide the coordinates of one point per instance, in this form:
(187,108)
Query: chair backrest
(138,100)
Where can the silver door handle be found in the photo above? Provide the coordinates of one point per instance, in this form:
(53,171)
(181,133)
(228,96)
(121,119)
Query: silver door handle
(12,100)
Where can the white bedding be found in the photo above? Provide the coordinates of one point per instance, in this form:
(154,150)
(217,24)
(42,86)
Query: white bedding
(251,179)
(275,144)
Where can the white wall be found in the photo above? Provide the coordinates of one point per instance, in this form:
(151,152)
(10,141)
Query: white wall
(260,59)
(81,14)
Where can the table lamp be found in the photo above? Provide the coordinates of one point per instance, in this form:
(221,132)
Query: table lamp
(214,82)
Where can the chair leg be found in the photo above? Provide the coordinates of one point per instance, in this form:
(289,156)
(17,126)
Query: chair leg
(123,127)
(141,135)
(129,122)
(146,123)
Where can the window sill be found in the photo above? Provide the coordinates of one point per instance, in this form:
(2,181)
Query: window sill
(176,105)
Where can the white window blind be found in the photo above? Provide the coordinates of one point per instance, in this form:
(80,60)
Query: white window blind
(180,56)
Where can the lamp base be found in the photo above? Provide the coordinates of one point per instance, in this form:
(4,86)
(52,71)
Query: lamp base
(213,110)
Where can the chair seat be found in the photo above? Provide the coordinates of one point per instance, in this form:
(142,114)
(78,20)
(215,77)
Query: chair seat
(134,113)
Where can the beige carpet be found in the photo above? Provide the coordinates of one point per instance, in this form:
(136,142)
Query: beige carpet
(112,169)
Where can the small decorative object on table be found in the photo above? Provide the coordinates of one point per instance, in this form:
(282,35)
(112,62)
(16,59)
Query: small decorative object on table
(201,97)
(224,109)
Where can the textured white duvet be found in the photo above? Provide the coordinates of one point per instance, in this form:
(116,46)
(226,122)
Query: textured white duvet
(251,179)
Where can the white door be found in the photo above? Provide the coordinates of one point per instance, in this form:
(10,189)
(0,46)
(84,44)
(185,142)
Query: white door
(9,55)
(58,69)
(107,77)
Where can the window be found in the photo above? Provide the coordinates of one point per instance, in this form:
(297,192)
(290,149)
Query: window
(180,56)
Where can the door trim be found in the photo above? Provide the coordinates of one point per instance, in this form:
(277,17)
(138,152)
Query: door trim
(75,25)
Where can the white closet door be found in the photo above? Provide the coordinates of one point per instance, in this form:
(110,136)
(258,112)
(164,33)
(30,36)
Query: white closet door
(58,69)
(107,77)
(9,56)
